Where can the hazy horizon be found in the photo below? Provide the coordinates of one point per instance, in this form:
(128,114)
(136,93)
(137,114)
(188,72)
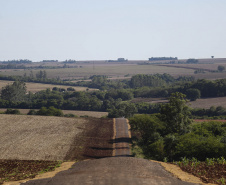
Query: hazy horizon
(100,30)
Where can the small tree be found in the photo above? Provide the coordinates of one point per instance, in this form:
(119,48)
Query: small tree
(193,94)
(221,68)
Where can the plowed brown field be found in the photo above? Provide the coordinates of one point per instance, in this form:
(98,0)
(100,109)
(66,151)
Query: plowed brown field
(54,138)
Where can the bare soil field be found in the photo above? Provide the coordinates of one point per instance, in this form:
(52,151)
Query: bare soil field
(205,103)
(208,102)
(75,112)
(210,76)
(35,87)
(54,138)
(208,67)
(149,100)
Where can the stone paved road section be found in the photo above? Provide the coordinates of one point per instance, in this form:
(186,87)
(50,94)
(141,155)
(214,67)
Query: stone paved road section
(122,139)
(113,171)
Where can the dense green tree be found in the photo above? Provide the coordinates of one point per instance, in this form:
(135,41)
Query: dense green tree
(192,61)
(176,114)
(193,94)
(12,111)
(147,126)
(15,92)
(123,110)
(221,68)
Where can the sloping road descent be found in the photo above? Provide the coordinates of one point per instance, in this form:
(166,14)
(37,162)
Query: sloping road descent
(117,170)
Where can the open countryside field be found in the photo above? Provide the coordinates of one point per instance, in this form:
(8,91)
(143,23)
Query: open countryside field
(205,103)
(108,70)
(208,102)
(205,66)
(54,138)
(35,87)
(197,66)
(75,112)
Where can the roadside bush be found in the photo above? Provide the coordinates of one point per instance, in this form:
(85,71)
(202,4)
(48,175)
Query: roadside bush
(32,112)
(192,145)
(12,111)
(70,116)
(51,111)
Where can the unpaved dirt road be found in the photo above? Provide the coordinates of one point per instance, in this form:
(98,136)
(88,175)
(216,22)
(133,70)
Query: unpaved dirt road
(113,171)
(118,170)
(122,138)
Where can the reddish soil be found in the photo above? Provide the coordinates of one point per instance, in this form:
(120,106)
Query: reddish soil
(12,170)
(207,173)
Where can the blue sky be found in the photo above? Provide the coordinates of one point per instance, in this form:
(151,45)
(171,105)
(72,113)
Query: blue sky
(107,29)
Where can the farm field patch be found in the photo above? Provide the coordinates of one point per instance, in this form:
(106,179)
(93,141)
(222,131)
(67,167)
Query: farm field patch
(35,87)
(208,102)
(205,103)
(196,66)
(108,70)
(54,138)
(149,100)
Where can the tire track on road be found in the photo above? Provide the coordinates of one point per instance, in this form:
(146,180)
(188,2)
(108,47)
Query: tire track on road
(122,139)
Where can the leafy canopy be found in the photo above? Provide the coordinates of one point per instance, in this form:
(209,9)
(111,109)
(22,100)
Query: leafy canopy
(15,92)
(176,114)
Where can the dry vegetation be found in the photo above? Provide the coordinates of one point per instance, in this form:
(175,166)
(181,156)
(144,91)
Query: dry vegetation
(75,112)
(35,87)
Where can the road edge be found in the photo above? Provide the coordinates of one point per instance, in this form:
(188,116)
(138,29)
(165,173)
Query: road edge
(64,166)
(113,137)
(180,174)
